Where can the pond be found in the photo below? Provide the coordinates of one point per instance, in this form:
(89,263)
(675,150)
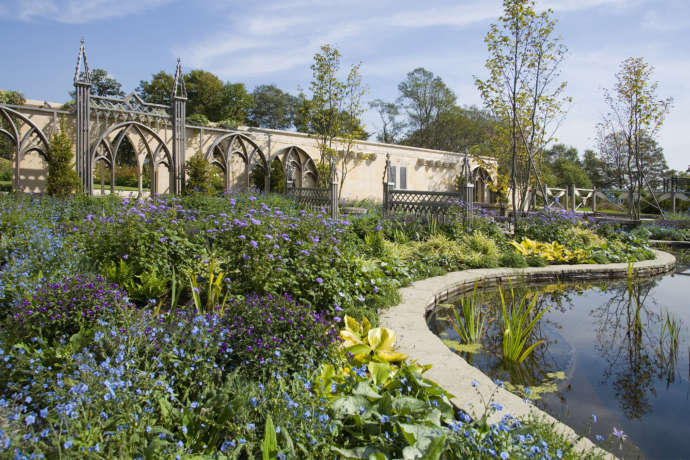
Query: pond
(616,349)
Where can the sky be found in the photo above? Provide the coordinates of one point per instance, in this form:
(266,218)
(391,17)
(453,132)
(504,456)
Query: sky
(274,41)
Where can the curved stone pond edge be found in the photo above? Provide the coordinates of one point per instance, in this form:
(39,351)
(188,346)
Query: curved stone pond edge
(452,372)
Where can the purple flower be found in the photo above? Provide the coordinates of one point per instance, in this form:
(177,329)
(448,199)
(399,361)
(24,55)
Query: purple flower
(619,434)
(253,243)
(126,256)
(319,280)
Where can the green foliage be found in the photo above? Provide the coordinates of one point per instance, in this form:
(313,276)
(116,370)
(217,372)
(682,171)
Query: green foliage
(62,178)
(519,321)
(205,92)
(522,90)
(199,175)
(236,104)
(158,90)
(198,119)
(11,97)
(627,132)
(510,258)
(471,326)
(425,97)
(369,345)
(272,108)
(5,169)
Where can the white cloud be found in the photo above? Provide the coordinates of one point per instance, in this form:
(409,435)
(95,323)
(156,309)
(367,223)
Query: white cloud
(76,11)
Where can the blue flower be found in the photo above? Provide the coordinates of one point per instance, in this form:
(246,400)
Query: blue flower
(30,419)
(504,455)
(68,444)
(619,434)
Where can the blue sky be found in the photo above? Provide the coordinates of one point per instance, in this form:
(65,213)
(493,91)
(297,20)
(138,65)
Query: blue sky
(268,41)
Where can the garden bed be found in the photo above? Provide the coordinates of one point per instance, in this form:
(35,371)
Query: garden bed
(207,326)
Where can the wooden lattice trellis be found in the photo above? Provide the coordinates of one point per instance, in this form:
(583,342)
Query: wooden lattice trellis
(436,204)
(311,198)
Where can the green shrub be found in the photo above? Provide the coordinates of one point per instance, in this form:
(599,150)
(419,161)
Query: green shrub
(511,258)
(198,119)
(62,178)
(199,175)
(535,260)
(5,169)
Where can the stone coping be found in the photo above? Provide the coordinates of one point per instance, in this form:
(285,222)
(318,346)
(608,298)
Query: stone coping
(452,372)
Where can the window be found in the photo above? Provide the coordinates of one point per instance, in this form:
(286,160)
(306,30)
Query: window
(392,180)
(403,178)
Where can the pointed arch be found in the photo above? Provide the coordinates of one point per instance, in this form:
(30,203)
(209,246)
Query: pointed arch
(106,148)
(296,161)
(222,151)
(32,140)
(481,179)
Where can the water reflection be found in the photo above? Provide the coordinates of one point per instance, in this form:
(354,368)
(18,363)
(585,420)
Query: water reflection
(621,347)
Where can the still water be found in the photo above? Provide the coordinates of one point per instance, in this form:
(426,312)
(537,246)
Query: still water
(618,358)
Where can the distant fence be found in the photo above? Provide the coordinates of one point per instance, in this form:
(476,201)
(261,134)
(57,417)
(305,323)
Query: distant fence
(316,199)
(439,205)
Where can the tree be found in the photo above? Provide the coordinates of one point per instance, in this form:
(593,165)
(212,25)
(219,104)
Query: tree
(11,97)
(391,127)
(272,108)
(206,94)
(457,130)
(62,179)
(596,169)
(333,113)
(635,113)
(562,168)
(236,104)
(523,91)
(103,84)
(199,175)
(425,97)
(158,90)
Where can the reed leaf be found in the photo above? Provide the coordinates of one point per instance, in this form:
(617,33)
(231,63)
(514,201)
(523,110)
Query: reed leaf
(519,322)
(472,324)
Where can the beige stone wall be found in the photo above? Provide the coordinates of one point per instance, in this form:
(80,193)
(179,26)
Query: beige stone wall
(425,169)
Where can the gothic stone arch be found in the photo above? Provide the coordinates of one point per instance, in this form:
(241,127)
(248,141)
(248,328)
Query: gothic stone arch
(30,148)
(147,144)
(236,155)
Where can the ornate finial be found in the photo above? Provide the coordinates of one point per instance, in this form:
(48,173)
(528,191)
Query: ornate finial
(179,89)
(85,76)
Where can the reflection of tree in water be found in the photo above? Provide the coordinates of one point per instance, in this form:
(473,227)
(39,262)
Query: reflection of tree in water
(628,334)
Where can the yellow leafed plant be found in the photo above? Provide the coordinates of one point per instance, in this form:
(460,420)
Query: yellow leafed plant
(552,252)
(367,344)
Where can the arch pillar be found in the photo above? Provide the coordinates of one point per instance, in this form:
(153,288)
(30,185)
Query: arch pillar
(82,85)
(179,101)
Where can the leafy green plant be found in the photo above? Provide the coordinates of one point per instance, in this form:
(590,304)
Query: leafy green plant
(472,325)
(199,175)
(367,344)
(214,289)
(62,179)
(552,252)
(519,321)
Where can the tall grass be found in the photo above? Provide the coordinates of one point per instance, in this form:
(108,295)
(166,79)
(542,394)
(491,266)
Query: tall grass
(519,321)
(470,324)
